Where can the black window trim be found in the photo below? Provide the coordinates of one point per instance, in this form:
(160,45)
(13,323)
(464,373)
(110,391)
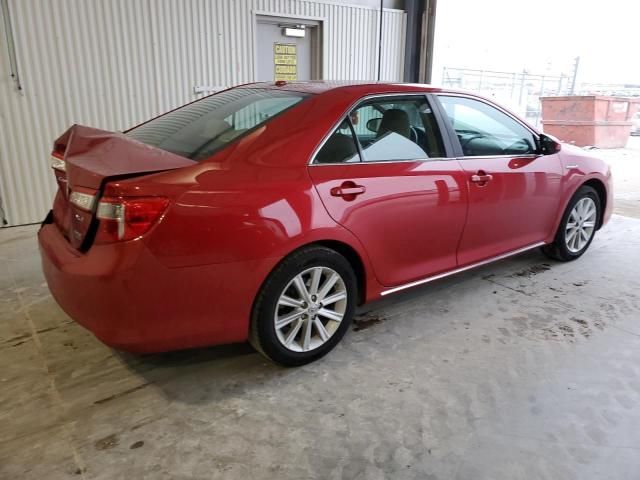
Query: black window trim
(448,146)
(454,137)
(354,136)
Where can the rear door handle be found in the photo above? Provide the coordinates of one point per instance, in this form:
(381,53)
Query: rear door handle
(342,191)
(348,190)
(481,178)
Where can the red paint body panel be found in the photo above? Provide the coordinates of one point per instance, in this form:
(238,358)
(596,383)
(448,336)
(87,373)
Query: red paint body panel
(409,218)
(130,300)
(192,278)
(584,168)
(516,208)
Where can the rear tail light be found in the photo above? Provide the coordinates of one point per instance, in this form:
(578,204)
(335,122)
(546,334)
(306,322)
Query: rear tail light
(81,200)
(57,163)
(127,218)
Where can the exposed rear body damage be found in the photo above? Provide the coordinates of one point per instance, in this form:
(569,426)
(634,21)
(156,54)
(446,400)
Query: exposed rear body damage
(85,159)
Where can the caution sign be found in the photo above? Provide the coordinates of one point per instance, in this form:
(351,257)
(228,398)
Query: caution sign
(285,61)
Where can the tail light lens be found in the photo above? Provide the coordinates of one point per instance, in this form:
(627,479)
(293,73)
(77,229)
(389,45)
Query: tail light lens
(57,162)
(127,218)
(82,200)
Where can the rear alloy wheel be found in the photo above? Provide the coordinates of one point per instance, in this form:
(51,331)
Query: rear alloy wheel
(304,307)
(310,309)
(578,226)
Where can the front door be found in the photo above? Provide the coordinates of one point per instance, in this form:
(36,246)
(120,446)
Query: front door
(513,190)
(286,49)
(383,175)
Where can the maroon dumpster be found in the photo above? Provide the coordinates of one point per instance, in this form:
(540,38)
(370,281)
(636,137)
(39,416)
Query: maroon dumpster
(595,120)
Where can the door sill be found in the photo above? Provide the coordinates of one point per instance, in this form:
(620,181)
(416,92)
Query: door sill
(461,269)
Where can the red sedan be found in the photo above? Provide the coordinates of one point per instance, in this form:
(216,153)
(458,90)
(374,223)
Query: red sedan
(268,212)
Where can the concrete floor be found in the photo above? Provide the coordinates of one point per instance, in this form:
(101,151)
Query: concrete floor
(524,369)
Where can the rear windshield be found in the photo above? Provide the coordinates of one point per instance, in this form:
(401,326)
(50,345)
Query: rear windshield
(197,130)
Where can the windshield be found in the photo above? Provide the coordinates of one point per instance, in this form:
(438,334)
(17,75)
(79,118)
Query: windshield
(199,129)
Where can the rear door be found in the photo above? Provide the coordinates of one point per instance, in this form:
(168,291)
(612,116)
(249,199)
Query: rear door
(384,175)
(513,190)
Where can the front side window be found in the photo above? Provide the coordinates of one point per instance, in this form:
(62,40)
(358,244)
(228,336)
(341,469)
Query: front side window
(485,130)
(200,128)
(397,129)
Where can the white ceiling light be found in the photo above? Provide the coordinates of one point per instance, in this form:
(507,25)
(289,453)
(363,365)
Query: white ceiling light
(294,32)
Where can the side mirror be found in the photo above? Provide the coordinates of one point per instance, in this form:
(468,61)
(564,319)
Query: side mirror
(549,145)
(373,125)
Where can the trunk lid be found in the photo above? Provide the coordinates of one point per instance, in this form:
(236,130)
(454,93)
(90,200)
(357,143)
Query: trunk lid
(90,158)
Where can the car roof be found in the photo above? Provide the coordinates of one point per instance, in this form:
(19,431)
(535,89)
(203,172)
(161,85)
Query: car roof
(358,87)
(355,89)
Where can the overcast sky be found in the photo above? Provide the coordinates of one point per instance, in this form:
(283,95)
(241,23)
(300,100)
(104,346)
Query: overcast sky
(541,36)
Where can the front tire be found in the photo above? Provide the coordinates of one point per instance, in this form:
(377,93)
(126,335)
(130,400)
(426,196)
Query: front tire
(577,227)
(304,307)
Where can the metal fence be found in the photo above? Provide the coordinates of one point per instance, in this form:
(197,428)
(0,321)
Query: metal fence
(611,89)
(519,91)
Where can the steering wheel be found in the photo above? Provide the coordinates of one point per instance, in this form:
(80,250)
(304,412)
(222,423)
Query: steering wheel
(467,140)
(520,147)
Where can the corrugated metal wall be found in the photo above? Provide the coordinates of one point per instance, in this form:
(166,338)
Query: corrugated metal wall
(113,63)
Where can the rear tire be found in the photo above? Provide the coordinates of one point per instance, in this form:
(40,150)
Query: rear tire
(577,226)
(304,307)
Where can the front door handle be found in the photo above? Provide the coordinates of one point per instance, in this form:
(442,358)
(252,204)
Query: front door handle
(348,190)
(481,178)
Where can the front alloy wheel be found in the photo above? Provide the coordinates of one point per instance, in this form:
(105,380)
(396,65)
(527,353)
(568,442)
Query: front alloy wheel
(581,224)
(304,307)
(577,227)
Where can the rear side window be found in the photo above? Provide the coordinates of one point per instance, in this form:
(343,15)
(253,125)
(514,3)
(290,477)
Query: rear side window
(397,128)
(385,130)
(199,129)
